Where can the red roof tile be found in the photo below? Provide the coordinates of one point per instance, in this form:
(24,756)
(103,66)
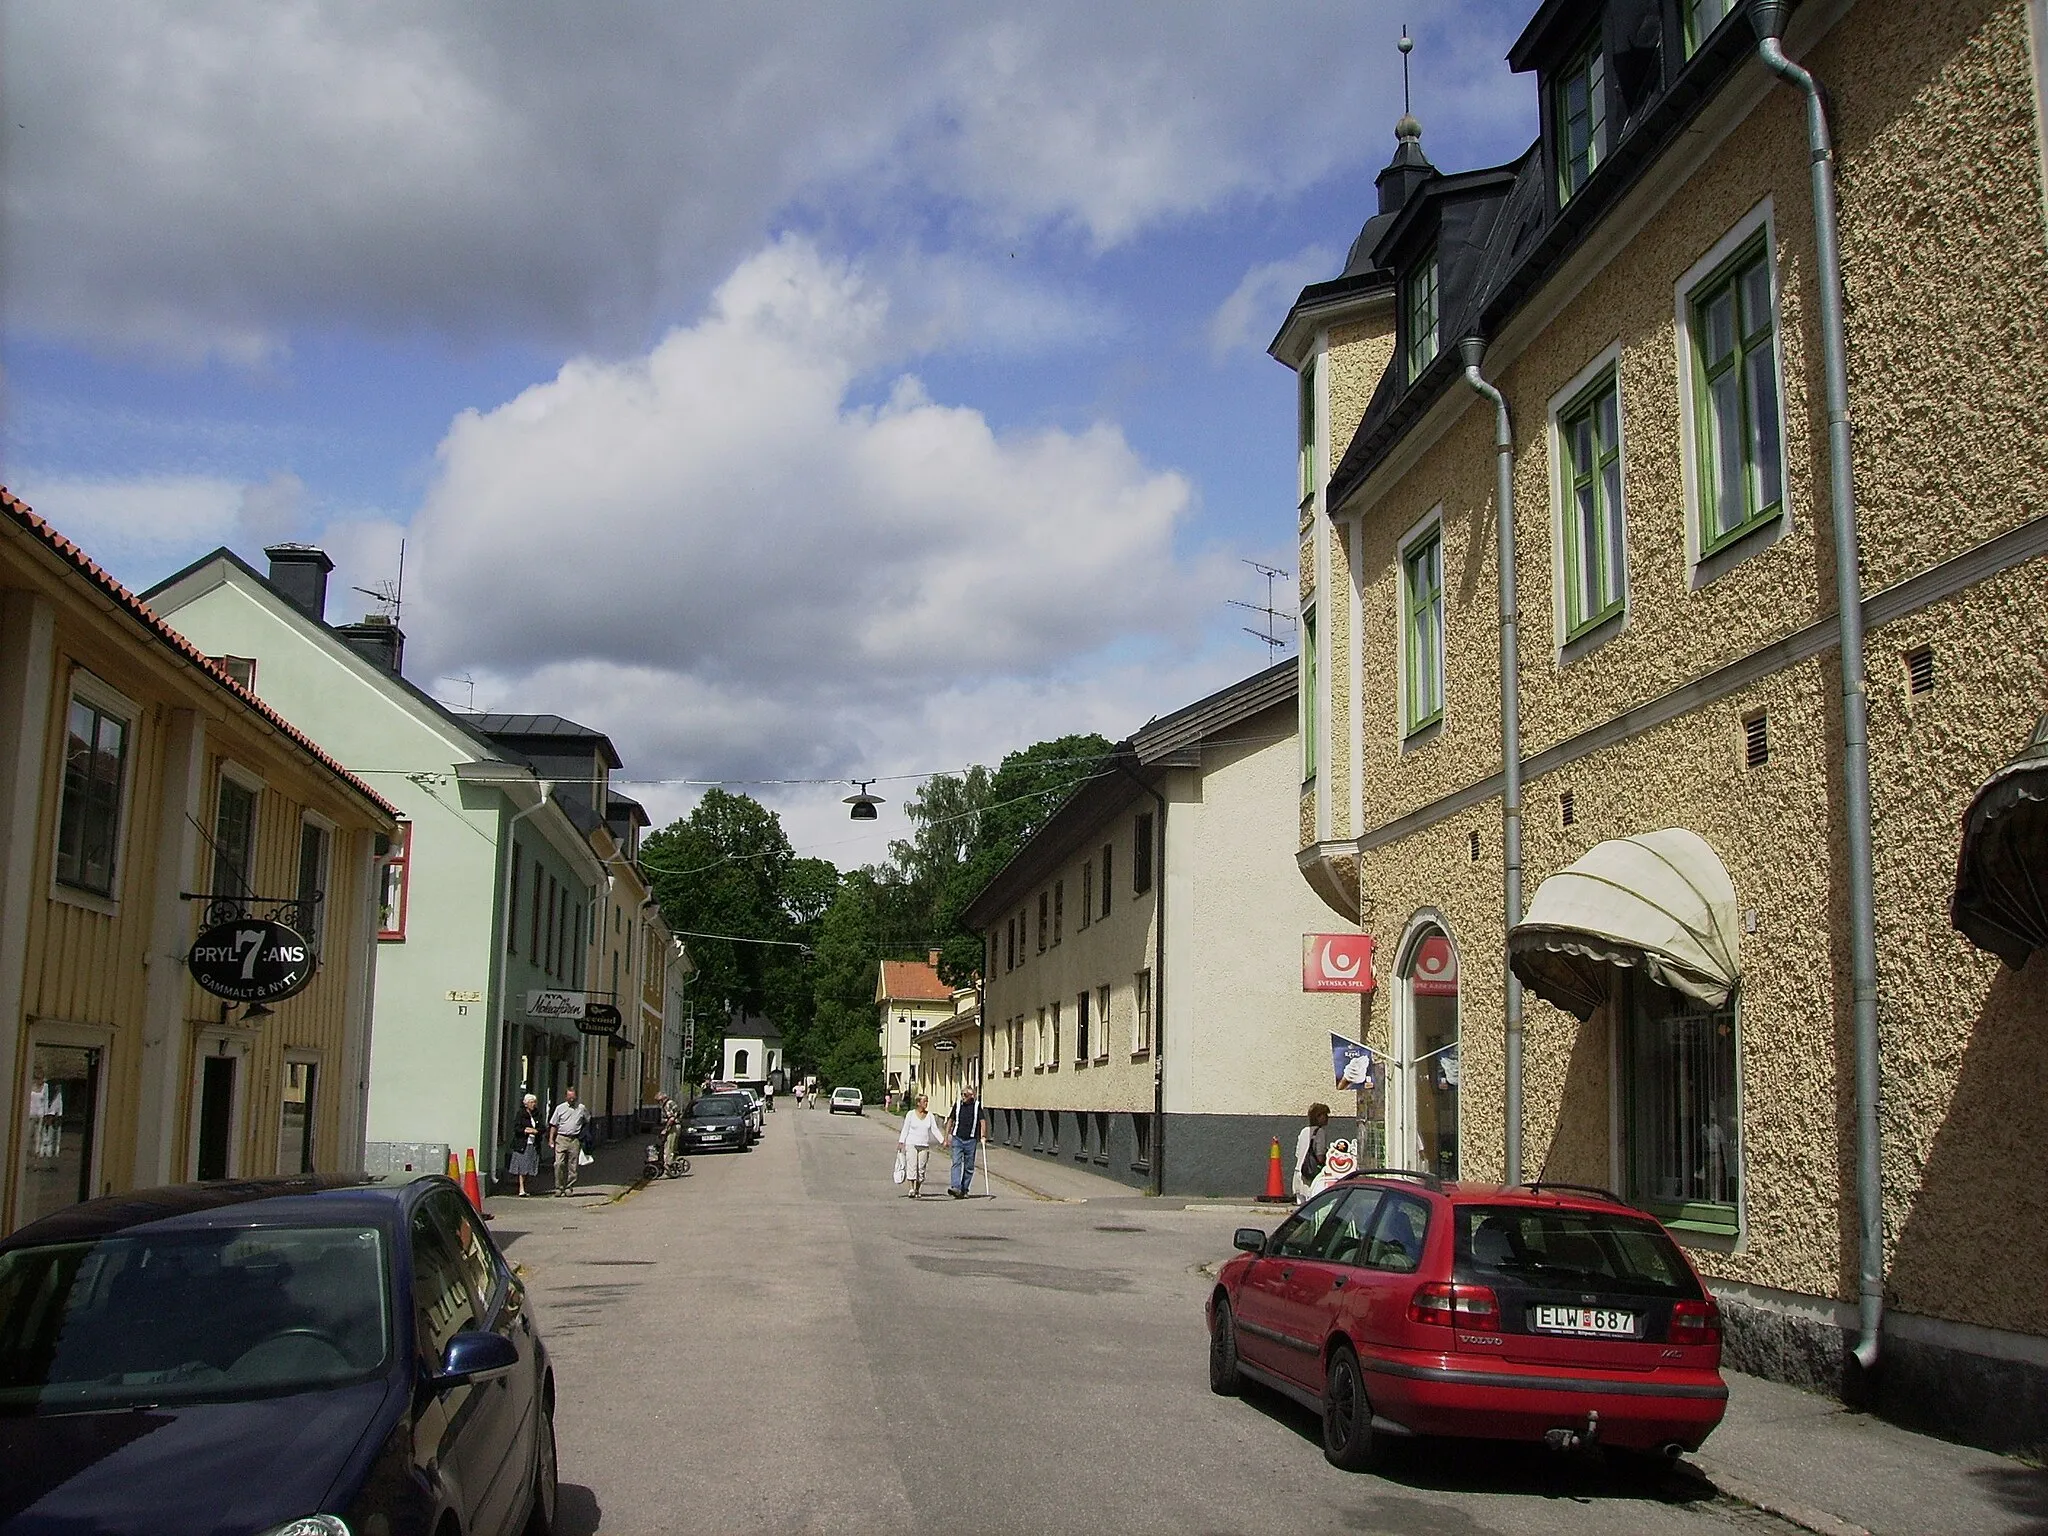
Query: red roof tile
(913,981)
(18,511)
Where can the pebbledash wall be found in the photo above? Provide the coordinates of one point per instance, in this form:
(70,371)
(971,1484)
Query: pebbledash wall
(1243,1051)
(1643,727)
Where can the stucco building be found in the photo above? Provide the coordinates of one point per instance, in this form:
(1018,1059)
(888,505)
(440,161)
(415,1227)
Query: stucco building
(145,792)
(948,1054)
(909,999)
(1644,288)
(1142,1001)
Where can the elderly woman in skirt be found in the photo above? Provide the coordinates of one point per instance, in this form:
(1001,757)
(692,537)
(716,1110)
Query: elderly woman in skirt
(526,1134)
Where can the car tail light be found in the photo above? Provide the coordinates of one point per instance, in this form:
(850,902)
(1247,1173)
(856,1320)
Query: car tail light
(1694,1322)
(1472,1307)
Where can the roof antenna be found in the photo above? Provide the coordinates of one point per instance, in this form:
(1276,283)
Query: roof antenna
(390,595)
(1407,46)
(1273,642)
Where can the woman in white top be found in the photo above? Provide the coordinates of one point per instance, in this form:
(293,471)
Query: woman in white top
(921,1132)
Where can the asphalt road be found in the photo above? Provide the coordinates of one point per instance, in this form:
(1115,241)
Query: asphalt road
(783,1342)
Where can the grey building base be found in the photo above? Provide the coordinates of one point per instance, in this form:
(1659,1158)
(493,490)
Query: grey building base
(1997,1402)
(405,1157)
(1206,1156)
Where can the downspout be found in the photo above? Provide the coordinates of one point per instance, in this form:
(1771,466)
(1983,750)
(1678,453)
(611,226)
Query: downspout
(1768,18)
(1158,981)
(1472,350)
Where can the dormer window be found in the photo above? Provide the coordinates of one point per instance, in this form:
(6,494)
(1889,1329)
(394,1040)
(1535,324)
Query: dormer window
(1581,119)
(1702,17)
(1419,312)
(1306,422)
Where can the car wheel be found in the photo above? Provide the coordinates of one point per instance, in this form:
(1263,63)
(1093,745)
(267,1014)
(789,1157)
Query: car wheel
(1348,1440)
(1224,1377)
(540,1520)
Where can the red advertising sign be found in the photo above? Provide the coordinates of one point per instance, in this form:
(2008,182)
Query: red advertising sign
(1336,962)
(1436,968)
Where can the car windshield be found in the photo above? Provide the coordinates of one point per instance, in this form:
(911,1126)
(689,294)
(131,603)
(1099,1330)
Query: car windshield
(142,1319)
(1577,1250)
(725,1105)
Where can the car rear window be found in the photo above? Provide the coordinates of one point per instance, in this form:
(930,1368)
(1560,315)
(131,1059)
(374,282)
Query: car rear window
(1591,1250)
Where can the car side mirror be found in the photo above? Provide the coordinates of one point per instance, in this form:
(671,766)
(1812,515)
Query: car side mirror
(1250,1240)
(474,1355)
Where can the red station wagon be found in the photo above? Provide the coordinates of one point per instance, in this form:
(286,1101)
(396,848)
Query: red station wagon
(1396,1304)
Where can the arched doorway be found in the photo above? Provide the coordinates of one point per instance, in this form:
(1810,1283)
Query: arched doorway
(1422,1102)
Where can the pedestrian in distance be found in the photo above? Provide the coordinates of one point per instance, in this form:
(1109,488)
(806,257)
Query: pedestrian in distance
(526,1133)
(921,1132)
(969,1130)
(567,1127)
(1310,1148)
(768,1097)
(671,1128)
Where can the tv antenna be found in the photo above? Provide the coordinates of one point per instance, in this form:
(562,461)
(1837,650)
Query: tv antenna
(1274,643)
(467,681)
(390,595)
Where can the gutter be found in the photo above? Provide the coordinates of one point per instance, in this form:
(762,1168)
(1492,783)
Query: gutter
(1768,19)
(1471,351)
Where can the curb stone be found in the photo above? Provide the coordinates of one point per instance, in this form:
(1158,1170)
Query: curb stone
(1819,1521)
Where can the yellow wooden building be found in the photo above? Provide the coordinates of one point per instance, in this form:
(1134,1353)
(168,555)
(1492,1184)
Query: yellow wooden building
(138,778)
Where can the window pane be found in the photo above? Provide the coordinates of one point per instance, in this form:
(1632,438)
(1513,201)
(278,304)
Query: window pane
(1587,591)
(63,1122)
(1762,383)
(233,839)
(1683,1132)
(1755,283)
(1717,329)
(1611,554)
(1725,435)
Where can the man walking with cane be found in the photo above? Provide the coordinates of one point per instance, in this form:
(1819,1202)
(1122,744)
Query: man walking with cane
(969,1129)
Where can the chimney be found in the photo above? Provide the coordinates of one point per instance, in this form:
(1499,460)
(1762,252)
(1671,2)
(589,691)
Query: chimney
(299,572)
(935,959)
(379,639)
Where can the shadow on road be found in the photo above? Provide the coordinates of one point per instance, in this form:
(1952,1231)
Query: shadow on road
(1503,1467)
(2021,1489)
(577,1512)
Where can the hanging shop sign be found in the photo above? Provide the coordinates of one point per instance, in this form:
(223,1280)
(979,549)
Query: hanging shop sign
(251,960)
(601,1019)
(1336,962)
(1350,1063)
(945,1045)
(555,1005)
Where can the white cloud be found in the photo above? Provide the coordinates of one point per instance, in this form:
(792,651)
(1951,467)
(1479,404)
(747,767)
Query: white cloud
(213,177)
(717,556)
(123,523)
(1253,312)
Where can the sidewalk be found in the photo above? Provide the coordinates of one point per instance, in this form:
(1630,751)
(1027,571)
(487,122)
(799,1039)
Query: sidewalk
(1019,1173)
(615,1170)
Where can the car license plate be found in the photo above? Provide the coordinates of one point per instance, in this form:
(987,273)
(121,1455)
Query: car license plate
(1604,1321)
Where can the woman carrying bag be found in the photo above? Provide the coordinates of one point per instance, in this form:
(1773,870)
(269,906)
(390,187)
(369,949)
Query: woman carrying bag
(1309,1150)
(921,1132)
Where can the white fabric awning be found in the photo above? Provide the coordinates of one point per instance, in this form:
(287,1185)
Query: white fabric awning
(1660,902)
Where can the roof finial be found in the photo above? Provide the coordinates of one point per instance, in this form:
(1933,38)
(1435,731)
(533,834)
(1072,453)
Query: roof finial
(1408,129)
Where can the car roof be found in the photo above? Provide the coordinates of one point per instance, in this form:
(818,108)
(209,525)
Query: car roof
(309,1200)
(1539,1195)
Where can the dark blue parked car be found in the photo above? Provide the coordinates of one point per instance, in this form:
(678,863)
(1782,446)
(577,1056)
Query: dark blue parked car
(271,1357)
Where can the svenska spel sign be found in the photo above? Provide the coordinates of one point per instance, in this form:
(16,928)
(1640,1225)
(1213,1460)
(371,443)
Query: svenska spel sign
(1336,962)
(251,960)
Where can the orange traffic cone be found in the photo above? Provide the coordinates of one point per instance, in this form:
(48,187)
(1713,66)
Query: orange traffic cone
(1276,1180)
(454,1166)
(470,1186)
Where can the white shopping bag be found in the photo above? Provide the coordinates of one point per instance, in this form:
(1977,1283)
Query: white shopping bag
(902,1171)
(584,1159)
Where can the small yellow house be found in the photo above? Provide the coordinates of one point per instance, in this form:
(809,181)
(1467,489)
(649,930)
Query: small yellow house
(142,784)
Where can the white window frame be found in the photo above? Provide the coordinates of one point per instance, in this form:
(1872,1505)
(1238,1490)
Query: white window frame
(1141,1013)
(109,700)
(1432,523)
(1102,999)
(1565,646)
(251,780)
(1706,568)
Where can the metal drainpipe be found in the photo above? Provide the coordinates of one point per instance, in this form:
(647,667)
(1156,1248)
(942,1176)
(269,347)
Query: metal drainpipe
(1472,350)
(1158,984)
(1768,18)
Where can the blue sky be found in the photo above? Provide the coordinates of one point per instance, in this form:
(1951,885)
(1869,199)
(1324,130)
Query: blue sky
(792,390)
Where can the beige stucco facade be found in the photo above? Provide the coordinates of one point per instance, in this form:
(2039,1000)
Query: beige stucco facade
(1641,724)
(120,1071)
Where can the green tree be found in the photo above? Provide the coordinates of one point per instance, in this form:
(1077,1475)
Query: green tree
(844,1025)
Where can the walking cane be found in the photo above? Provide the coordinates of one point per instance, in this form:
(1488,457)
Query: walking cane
(987,1191)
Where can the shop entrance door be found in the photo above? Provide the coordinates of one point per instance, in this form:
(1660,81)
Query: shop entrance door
(1422,1088)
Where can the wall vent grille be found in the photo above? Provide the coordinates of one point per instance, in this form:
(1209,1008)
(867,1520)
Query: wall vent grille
(1568,808)
(1920,669)
(1756,740)
(1475,847)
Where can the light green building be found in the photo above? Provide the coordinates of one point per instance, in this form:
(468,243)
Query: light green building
(488,892)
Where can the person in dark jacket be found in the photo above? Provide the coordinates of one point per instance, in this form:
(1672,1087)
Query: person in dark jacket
(526,1133)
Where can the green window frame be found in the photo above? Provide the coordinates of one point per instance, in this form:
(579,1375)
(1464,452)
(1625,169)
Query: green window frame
(1305,422)
(1702,17)
(1595,564)
(1737,415)
(89,813)
(1422,624)
(1580,103)
(1419,308)
(1311,724)
(1681,1110)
